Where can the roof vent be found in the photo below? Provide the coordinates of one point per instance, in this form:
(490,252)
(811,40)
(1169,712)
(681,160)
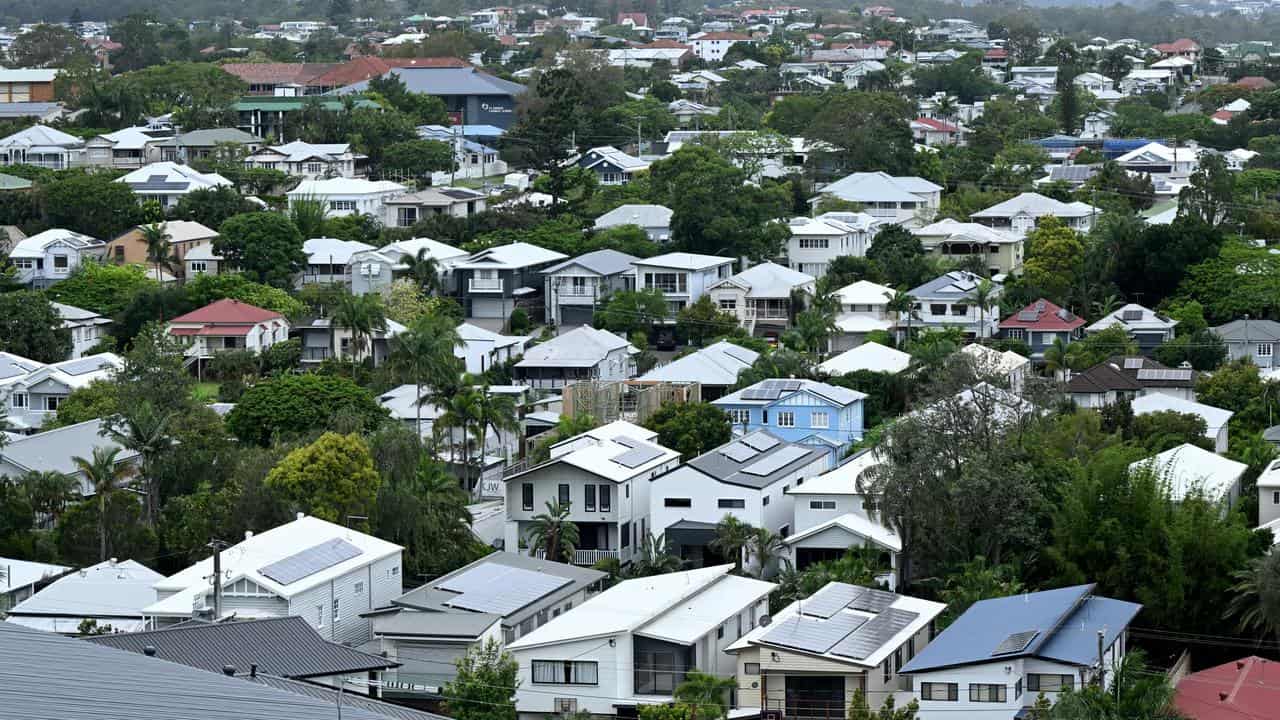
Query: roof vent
(301,515)
(229,670)
(149,651)
(248,534)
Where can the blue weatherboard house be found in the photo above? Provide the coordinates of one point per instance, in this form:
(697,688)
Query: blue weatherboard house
(801,411)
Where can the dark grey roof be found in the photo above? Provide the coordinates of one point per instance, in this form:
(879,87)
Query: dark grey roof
(1073,173)
(602,262)
(1249,331)
(431,597)
(27,109)
(44,676)
(157,183)
(740,462)
(349,700)
(446,81)
(285,646)
(210,137)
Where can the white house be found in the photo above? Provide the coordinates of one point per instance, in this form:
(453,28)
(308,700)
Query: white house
(948,301)
(1020,214)
(347,196)
(126,148)
(1162,162)
(1148,327)
(228,325)
(816,653)
(34,397)
(329,260)
(21,578)
(87,328)
(746,478)
(410,208)
(307,160)
(761,296)
(655,220)
(1012,368)
(715,368)
(999,251)
(577,286)
(1268,484)
(682,277)
(375,270)
(581,354)
(610,165)
(816,242)
(712,46)
(42,146)
(482,349)
(327,573)
(870,356)
(632,644)
(47,257)
(1215,419)
(201,260)
(1188,469)
(168,182)
(603,477)
(996,659)
(111,593)
(864,307)
(909,201)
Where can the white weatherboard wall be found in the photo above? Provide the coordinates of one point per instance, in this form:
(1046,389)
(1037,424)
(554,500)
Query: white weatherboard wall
(807,517)
(382,582)
(614,673)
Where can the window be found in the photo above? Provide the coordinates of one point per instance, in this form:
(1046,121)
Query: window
(606,498)
(940,691)
(1264,349)
(342,204)
(667,282)
(959,310)
(563,494)
(750,668)
(198,267)
(51,403)
(320,615)
(60,262)
(1037,682)
(406,216)
(739,417)
(508,635)
(911,648)
(784,531)
(1017,689)
(336,614)
(624,533)
(764,417)
(986,693)
(937,309)
(819,419)
(395,571)
(751,617)
(315,168)
(565,672)
(541,618)
(1275,494)
(786,418)
(720,632)
(526,496)
(728,304)
(1013,333)
(814,243)
(731,503)
(566,706)
(359,588)
(822,504)
(738,617)
(589,497)
(677,502)
(19,400)
(764,500)
(526,626)
(887,671)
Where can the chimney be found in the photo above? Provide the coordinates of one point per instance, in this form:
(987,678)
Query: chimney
(149,651)
(300,516)
(113,562)
(229,670)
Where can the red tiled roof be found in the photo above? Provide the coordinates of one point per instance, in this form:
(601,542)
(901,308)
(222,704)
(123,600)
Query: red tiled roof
(723,36)
(228,312)
(1255,82)
(1047,318)
(1224,115)
(1240,690)
(369,66)
(996,53)
(277,73)
(1179,45)
(638,19)
(937,125)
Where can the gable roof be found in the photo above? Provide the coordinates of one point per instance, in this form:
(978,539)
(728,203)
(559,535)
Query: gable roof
(769,392)
(1134,317)
(210,137)
(285,646)
(742,462)
(684,261)
(1043,316)
(33,247)
(228,312)
(1030,203)
(1243,689)
(645,216)
(511,256)
(1062,625)
(332,251)
(879,187)
(108,591)
(345,186)
(52,450)
(1188,467)
(951,285)
(951,230)
(769,280)
(602,262)
(15,366)
(1214,418)
(1249,331)
(717,364)
(434,248)
(20,574)
(613,156)
(583,346)
(444,81)
(444,595)
(1101,378)
(855,524)
(865,292)
(170,177)
(867,356)
(41,136)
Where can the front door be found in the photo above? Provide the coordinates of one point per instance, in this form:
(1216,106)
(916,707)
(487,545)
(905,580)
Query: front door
(815,696)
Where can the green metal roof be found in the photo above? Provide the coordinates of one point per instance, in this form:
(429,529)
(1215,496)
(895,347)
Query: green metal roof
(290,104)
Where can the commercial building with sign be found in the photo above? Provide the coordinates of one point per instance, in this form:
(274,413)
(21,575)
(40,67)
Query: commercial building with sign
(470,96)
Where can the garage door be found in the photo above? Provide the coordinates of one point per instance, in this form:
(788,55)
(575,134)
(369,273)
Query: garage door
(489,307)
(576,315)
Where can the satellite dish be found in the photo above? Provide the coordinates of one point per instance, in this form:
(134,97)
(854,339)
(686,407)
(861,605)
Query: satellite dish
(765,620)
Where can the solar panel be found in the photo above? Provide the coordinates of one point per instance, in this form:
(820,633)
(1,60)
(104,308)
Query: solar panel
(760,441)
(635,457)
(1015,643)
(873,601)
(82,366)
(830,600)
(812,634)
(310,561)
(1131,315)
(738,452)
(1132,363)
(868,638)
(791,385)
(625,441)
(1164,374)
(1028,316)
(500,589)
(775,462)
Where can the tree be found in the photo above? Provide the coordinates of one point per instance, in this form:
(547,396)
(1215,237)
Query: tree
(144,430)
(765,546)
(95,400)
(655,558)
(1256,597)
(983,297)
(32,328)
(1134,691)
(212,206)
(424,355)
(1115,64)
(424,269)
(900,256)
(417,158)
(860,710)
(973,581)
(1153,263)
(628,311)
(362,316)
(706,695)
(702,319)
(50,492)
(1055,260)
(105,474)
(265,246)
(732,538)
(297,404)
(426,511)
(332,478)
(554,533)
(159,252)
(495,413)
(46,46)
(1209,195)
(690,428)
(546,121)
(870,131)
(90,203)
(78,536)
(204,289)
(485,685)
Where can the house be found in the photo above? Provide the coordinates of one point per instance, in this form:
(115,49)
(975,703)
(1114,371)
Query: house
(409,209)
(201,260)
(42,146)
(835,512)
(1161,162)
(1040,325)
(1141,81)
(1006,651)
(1020,214)
(85,681)
(483,349)
(183,236)
(715,368)
(948,301)
(329,260)
(804,411)
(375,270)
(871,356)
(125,149)
(503,596)
(47,257)
(612,654)
(347,196)
(1047,74)
(227,325)
(602,476)
(816,653)
(682,277)
(655,220)
(1120,377)
(496,280)
(34,398)
(111,593)
(307,160)
(327,573)
(1010,369)
(1147,327)
(1252,339)
(908,201)
(582,354)
(932,132)
(864,308)
(1182,47)
(285,647)
(1187,469)
(816,242)
(471,97)
(1215,419)
(1268,484)
(202,144)
(87,328)
(278,116)
(27,85)
(321,339)
(761,297)
(416,406)
(576,287)
(1236,690)
(746,478)
(687,112)
(20,579)
(998,250)
(471,159)
(712,46)
(610,165)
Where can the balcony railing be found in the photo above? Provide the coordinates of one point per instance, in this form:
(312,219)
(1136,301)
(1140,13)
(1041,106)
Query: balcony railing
(583,557)
(485,285)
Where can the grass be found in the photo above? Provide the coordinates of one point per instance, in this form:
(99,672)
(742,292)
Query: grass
(205,392)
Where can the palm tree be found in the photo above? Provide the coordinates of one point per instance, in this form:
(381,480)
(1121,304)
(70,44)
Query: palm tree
(1107,305)
(902,304)
(1256,596)
(102,473)
(363,315)
(423,355)
(145,431)
(655,558)
(984,297)
(425,271)
(554,533)
(307,214)
(708,694)
(946,107)
(159,252)
(732,535)
(1055,357)
(765,545)
(50,491)
(493,412)
(814,328)
(461,408)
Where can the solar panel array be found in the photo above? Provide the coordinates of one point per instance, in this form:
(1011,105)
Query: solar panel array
(82,366)
(812,634)
(770,389)
(738,452)
(1133,363)
(1131,315)
(872,600)
(637,456)
(310,561)
(760,441)
(1029,315)
(1164,374)
(830,600)
(870,636)
(500,589)
(775,462)
(1015,643)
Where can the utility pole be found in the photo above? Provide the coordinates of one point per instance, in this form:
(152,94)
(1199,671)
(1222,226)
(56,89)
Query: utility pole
(639,143)
(1102,669)
(218,546)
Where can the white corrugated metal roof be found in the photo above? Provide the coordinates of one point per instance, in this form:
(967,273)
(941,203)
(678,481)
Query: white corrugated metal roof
(1187,468)
(867,356)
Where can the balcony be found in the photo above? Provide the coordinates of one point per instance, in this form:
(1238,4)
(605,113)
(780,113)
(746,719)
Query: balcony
(583,557)
(485,285)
